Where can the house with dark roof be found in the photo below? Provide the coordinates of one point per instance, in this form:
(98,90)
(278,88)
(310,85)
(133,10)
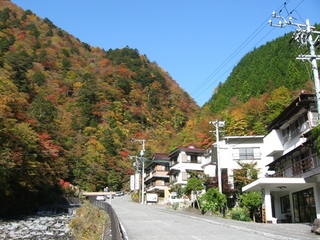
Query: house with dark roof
(228,153)
(184,160)
(292,192)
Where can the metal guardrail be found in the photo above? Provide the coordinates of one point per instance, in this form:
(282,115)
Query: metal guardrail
(113,231)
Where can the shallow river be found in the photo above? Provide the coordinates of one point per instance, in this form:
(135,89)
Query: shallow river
(41,226)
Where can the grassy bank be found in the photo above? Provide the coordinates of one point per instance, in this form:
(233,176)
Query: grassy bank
(89,222)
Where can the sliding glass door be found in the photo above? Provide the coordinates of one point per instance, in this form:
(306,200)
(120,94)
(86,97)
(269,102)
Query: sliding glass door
(304,206)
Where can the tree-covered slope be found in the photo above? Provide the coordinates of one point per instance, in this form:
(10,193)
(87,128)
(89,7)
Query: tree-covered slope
(68,111)
(262,70)
(262,84)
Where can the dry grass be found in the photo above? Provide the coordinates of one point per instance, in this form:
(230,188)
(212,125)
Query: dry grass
(89,222)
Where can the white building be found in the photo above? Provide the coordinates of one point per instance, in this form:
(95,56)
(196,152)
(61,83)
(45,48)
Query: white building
(246,149)
(182,161)
(230,151)
(292,193)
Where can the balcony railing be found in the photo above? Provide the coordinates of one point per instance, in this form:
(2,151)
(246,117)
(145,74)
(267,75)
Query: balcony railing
(298,168)
(157,185)
(157,173)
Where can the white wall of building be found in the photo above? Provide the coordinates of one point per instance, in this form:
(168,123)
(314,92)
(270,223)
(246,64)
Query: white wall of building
(229,160)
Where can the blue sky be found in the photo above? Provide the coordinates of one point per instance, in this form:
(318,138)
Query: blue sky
(197,42)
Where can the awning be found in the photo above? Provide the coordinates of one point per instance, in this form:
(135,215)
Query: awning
(194,170)
(276,184)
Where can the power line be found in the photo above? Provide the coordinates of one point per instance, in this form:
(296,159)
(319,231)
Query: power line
(304,35)
(236,52)
(228,59)
(294,10)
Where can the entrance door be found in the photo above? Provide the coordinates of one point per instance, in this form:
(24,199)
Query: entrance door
(304,206)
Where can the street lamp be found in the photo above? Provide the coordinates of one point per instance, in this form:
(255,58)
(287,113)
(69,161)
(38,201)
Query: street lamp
(142,159)
(143,141)
(218,124)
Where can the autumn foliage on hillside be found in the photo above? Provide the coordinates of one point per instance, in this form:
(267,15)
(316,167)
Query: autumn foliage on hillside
(68,111)
(260,86)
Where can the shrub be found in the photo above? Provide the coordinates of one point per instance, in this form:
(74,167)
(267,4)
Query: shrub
(175,206)
(212,200)
(135,196)
(253,202)
(240,214)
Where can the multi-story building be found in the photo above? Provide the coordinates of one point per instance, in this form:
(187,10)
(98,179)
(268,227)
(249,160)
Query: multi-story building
(233,150)
(230,151)
(292,192)
(157,178)
(184,160)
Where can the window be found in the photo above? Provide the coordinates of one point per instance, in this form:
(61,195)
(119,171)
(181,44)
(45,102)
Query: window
(304,206)
(246,153)
(194,158)
(285,204)
(296,127)
(173,161)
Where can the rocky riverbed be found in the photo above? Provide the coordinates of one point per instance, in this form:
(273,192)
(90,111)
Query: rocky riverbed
(49,223)
(37,227)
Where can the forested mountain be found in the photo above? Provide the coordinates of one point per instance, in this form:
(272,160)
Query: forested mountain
(262,84)
(263,70)
(68,111)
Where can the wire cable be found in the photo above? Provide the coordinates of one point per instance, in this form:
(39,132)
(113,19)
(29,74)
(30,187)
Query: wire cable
(197,91)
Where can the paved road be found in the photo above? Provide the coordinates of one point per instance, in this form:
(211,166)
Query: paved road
(154,222)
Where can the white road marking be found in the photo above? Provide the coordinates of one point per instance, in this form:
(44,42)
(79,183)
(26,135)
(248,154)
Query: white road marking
(196,238)
(165,223)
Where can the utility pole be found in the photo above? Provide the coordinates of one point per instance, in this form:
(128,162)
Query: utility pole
(217,125)
(304,35)
(142,160)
